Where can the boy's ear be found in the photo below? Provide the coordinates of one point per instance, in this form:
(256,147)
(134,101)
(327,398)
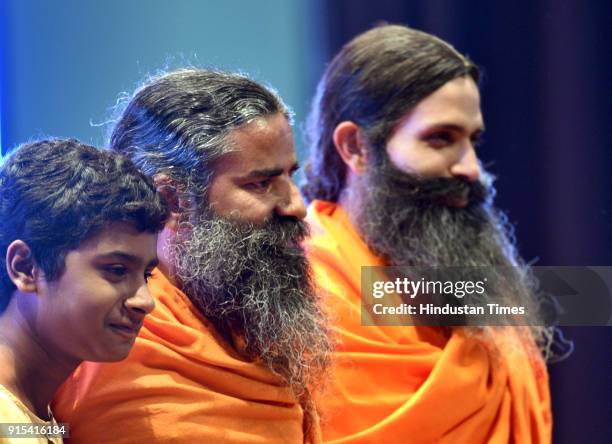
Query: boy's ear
(21,266)
(351,146)
(167,188)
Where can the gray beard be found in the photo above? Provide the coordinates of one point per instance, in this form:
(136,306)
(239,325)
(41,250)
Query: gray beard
(407,221)
(255,282)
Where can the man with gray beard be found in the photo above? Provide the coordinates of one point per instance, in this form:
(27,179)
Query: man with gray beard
(238,343)
(394,179)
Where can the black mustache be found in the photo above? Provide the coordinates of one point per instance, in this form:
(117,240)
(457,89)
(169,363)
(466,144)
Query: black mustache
(435,190)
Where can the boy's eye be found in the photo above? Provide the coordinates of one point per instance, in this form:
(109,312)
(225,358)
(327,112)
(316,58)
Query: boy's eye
(116,271)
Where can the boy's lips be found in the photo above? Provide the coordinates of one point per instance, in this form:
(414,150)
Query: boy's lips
(125,329)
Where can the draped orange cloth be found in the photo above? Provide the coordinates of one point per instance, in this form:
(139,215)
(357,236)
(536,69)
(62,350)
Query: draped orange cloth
(181,383)
(410,384)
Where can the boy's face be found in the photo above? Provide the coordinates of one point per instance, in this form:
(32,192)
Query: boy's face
(96,308)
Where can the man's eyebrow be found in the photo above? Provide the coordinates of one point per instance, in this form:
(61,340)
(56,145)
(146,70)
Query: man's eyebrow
(449,126)
(128,257)
(270,172)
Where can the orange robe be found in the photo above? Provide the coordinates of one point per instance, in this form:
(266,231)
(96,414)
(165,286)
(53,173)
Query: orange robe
(409,384)
(181,383)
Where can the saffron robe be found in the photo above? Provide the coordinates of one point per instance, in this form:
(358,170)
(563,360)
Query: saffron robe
(406,384)
(181,383)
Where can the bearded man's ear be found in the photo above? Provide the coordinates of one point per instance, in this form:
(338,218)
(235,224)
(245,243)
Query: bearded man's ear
(167,188)
(350,144)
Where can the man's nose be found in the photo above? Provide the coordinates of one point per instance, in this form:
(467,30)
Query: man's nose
(467,166)
(292,203)
(141,302)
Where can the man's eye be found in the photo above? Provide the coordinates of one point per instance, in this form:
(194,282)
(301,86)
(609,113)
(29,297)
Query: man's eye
(439,139)
(258,186)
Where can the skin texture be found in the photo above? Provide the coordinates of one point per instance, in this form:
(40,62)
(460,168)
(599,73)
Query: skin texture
(254,182)
(438,137)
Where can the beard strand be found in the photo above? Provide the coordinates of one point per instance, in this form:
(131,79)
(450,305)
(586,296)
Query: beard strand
(255,282)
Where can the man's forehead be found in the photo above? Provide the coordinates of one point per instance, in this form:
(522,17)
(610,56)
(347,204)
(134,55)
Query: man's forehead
(456,105)
(263,144)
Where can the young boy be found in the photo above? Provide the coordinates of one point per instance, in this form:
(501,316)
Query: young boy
(78,232)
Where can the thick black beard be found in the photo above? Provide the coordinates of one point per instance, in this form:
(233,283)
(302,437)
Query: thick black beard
(255,282)
(408,221)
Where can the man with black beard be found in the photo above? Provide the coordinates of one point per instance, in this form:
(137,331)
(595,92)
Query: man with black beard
(394,179)
(238,343)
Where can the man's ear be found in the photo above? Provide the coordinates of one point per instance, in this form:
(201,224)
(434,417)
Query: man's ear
(21,266)
(351,146)
(167,188)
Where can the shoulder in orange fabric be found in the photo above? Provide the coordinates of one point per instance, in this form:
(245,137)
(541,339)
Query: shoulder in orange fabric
(416,384)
